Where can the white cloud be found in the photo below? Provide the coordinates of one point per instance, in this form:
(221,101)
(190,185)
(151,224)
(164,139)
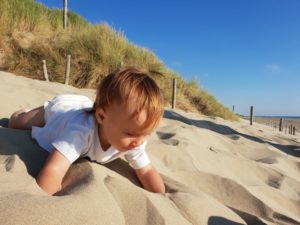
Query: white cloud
(273,67)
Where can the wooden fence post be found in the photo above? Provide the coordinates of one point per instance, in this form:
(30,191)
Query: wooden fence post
(280,124)
(174,94)
(45,70)
(251,115)
(1,57)
(67,71)
(65,14)
(294,130)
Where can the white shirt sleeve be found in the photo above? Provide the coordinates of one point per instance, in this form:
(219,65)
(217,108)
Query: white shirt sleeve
(137,157)
(73,142)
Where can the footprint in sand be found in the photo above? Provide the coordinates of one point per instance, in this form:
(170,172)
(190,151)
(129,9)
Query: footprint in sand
(234,137)
(225,152)
(275,181)
(173,142)
(267,160)
(212,149)
(167,138)
(164,136)
(9,162)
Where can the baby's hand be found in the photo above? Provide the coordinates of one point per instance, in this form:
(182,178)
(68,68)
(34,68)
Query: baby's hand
(150,179)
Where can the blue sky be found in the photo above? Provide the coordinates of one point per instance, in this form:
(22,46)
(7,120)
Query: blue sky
(244,52)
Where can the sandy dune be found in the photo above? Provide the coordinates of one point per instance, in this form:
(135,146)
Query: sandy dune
(216,172)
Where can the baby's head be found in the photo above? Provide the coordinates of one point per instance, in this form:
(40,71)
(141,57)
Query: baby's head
(128,106)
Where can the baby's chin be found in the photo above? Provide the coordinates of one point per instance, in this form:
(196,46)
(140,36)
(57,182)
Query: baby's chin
(125,149)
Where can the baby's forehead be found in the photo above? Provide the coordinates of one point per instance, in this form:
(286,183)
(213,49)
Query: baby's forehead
(128,107)
(139,116)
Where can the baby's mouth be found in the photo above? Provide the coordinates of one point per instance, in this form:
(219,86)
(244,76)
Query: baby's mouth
(127,148)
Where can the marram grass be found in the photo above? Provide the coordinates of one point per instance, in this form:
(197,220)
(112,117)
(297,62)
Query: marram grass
(31,32)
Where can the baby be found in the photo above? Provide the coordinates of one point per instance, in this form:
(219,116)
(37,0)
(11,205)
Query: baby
(128,107)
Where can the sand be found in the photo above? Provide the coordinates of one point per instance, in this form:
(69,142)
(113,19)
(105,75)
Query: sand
(274,123)
(215,171)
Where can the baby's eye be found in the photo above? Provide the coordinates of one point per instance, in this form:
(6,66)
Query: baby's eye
(136,135)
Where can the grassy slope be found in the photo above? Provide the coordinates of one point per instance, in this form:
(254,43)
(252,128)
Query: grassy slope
(30,32)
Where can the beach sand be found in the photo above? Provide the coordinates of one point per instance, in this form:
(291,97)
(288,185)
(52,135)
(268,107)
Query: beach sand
(215,171)
(274,122)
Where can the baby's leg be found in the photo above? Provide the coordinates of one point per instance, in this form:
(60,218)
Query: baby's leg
(26,118)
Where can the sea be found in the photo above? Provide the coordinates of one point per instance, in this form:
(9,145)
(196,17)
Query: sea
(278,117)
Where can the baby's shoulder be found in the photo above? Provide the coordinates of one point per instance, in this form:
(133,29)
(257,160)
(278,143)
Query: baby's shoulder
(82,120)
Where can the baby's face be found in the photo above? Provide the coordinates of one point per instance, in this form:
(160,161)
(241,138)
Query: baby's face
(120,129)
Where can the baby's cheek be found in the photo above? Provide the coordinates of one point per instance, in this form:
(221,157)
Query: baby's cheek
(125,141)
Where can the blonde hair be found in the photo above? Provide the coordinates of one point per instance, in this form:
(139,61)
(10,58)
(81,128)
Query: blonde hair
(132,86)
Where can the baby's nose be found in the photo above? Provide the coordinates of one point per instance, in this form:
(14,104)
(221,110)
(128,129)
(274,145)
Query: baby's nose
(137,142)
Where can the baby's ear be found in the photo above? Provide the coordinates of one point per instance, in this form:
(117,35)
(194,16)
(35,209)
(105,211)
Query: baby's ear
(99,114)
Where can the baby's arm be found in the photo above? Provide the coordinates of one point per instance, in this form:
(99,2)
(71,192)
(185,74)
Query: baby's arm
(51,176)
(150,179)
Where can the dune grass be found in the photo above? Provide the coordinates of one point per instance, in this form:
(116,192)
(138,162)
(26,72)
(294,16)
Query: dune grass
(31,32)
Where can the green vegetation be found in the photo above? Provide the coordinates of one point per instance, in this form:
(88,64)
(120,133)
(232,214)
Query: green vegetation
(30,32)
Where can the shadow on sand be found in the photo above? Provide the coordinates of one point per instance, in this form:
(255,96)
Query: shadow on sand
(293,150)
(4,122)
(217,220)
(18,143)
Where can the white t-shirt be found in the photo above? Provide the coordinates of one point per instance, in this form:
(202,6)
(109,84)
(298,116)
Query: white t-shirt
(74,133)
